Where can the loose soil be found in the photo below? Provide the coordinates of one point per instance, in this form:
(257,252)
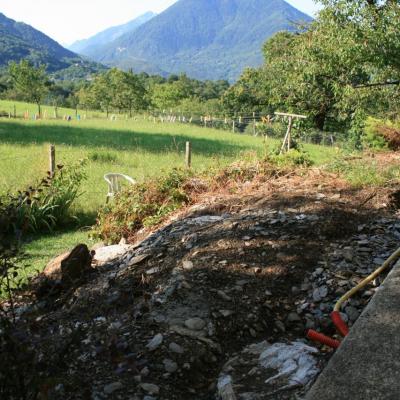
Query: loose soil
(247,264)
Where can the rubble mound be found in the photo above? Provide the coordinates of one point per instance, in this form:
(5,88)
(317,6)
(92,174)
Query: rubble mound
(200,308)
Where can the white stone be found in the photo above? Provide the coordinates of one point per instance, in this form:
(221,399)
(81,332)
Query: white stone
(155,342)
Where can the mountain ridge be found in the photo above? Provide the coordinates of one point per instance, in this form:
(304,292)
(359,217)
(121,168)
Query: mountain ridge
(207,39)
(89,46)
(19,40)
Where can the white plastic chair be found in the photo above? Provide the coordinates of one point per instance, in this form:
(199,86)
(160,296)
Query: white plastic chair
(114,183)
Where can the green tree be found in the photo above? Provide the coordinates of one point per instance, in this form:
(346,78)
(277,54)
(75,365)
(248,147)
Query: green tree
(102,93)
(129,92)
(31,83)
(344,65)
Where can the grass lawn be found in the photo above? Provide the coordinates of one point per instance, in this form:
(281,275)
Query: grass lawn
(138,148)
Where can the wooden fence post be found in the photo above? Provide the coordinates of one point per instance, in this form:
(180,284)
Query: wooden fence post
(233,126)
(254,124)
(52,159)
(188,155)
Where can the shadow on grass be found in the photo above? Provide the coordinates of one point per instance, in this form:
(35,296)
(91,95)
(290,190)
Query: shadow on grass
(14,133)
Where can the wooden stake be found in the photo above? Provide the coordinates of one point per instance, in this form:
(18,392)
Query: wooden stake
(188,155)
(289,139)
(52,159)
(254,124)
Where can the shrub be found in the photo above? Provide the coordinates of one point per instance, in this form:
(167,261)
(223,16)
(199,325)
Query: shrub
(372,138)
(143,205)
(17,370)
(45,206)
(292,158)
(380,134)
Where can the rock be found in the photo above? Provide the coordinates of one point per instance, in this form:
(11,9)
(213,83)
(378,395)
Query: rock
(226,313)
(138,259)
(223,295)
(175,348)
(113,387)
(170,366)
(320,293)
(305,287)
(348,254)
(280,325)
(225,388)
(69,267)
(293,317)
(295,290)
(187,265)
(195,324)
(150,388)
(108,254)
(152,271)
(379,261)
(155,342)
(310,324)
(352,313)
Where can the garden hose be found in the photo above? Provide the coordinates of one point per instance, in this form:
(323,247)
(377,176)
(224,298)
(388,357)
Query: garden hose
(337,320)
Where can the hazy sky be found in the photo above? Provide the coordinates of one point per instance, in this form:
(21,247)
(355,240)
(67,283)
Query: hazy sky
(70,20)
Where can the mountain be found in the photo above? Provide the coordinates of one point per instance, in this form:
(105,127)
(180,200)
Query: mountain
(90,47)
(21,41)
(207,39)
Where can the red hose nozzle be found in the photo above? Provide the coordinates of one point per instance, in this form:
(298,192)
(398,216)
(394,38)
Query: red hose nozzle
(319,337)
(341,326)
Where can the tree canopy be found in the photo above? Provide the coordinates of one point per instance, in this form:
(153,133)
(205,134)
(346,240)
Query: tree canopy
(31,83)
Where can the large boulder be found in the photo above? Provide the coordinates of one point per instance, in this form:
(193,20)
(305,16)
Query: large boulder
(65,269)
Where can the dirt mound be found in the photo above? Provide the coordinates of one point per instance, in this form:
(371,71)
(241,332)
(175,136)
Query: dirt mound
(179,312)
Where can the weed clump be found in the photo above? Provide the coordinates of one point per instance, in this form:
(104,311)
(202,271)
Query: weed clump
(103,157)
(295,157)
(44,206)
(143,205)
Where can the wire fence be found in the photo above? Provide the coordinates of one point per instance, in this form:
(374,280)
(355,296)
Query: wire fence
(252,123)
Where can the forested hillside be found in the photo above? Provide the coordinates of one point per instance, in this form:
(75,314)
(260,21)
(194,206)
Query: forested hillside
(207,39)
(21,41)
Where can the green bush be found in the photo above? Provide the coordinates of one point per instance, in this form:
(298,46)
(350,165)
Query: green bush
(292,158)
(371,137)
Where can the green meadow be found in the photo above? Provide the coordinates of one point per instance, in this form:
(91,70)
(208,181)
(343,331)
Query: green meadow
(136,147)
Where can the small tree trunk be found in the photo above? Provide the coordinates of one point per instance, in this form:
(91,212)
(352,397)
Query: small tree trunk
(39,110)
(319,120)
